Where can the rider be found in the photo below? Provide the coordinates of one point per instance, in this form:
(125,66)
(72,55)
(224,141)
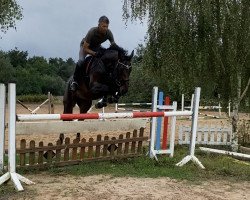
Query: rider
(91,44)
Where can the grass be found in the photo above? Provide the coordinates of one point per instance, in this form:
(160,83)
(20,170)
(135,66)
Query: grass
(218,167)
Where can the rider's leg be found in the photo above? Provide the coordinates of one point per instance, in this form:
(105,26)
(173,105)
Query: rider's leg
(79,71)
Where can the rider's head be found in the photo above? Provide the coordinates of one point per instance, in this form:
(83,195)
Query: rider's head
(103,24)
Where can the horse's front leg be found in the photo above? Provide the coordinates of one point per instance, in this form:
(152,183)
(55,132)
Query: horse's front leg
(102,103)
(114,98)
(98,90)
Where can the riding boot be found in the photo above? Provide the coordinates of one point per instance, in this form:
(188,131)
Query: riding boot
(77,75)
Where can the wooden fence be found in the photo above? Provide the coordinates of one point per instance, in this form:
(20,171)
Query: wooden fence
(65,152)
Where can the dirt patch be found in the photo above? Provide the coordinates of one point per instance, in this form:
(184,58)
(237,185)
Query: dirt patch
(107,187)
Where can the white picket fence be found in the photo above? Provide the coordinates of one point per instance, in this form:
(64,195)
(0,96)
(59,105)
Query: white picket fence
(213,135)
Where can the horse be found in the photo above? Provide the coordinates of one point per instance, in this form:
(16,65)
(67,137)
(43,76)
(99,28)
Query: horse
(105,76)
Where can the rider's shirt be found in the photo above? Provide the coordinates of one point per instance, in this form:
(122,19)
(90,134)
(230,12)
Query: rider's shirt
(95,39)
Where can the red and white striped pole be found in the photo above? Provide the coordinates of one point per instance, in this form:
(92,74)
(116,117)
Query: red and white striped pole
(29,117)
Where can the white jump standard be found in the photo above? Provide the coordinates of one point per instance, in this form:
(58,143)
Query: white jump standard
(191,155)
(2,124)
(11,174)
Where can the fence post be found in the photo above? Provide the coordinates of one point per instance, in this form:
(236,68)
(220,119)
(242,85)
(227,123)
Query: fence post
(182,102)
(49,103)
(2,124)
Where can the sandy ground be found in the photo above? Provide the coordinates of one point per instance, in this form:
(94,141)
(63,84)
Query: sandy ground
(66,187)
(106,187)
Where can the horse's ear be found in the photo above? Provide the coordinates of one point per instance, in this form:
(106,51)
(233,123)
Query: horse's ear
(131,55)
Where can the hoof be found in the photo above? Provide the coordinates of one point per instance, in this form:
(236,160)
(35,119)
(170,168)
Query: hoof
(113,99)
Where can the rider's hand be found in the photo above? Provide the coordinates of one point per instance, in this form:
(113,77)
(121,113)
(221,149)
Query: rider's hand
(98,54)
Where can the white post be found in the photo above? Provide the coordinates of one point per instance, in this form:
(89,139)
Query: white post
(153,123)
(229,109)
(219,106)
(12,127)
(182,102)
(172,136)
(192,102)
(191,155)
(116,107)
(49,104)
(2,124)
(11,174)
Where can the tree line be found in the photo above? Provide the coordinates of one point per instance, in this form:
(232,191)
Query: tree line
(35,75)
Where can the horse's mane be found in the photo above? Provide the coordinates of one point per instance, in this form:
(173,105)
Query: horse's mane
(121,51)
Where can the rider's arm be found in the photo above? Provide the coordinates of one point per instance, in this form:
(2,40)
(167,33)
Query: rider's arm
(111,38)
(87,50)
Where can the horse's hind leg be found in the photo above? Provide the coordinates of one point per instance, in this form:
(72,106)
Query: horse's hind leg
(68,108)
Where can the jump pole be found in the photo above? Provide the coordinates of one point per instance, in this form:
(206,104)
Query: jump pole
(11,174)
(29,117)
(2,124)
(195,113)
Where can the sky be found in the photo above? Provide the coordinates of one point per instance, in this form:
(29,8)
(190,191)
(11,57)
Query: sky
(54,28)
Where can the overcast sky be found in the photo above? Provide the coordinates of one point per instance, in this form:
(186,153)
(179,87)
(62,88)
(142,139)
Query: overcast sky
(54,28)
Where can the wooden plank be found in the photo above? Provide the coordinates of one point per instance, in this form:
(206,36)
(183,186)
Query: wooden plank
(133,143)
(66,151)
(74,150)
(112,147)
(127,143)
(76,162)
(105,146)
(50,154)
(32,154)
(139,149)
(40,154)
(58,151)
(22,155)
(119,149)
(57,127)
(98,147)
(82,150)
(90,148)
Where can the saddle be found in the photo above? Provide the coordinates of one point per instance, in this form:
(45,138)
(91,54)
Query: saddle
(104,65)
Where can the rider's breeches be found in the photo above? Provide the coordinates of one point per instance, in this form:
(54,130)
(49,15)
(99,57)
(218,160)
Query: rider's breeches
(79,70)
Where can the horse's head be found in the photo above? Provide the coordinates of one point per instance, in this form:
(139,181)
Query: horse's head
(122,69)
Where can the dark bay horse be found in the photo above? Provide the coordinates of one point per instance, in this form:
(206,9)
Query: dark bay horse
(105,76)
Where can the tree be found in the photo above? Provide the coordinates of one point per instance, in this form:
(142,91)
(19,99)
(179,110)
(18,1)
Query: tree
(200,42)
(7,71)
(10,11)
(17,57)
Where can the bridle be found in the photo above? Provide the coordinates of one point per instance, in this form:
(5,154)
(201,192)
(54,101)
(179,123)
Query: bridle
(120,63)
(119,83)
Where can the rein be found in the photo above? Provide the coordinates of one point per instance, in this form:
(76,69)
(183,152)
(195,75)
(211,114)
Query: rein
(126,66)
